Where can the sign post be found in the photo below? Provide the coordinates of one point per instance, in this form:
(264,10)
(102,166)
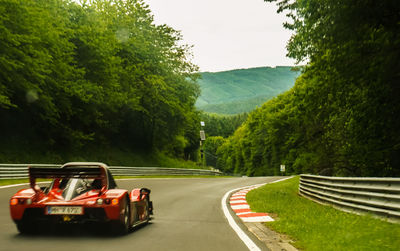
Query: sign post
(283,169)
(202,138)
(202,135)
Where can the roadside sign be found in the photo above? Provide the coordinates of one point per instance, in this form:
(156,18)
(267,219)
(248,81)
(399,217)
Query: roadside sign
(202,123)
(282,168)
(202,135)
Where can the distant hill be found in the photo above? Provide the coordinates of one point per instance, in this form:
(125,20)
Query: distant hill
(238,91)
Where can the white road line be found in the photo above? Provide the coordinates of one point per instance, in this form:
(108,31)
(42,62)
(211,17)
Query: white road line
(242,235)
(22,184)
(15,185)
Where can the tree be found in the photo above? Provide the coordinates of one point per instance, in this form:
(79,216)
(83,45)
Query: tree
(339,118)
(97,72)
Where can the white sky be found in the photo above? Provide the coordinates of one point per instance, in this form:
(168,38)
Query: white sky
(227,34)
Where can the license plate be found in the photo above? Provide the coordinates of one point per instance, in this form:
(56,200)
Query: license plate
(64,210)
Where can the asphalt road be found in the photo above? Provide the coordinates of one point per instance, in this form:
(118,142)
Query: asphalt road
(187,216)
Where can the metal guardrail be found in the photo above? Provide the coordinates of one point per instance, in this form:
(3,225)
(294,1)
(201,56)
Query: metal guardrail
(378,196)
(20,171)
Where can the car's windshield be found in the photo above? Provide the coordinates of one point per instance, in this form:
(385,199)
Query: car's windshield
(75,187)
(72,188)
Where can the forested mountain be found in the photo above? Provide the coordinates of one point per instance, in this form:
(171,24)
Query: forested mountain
(342,116)
(238,91)
(236,107)
(99,73)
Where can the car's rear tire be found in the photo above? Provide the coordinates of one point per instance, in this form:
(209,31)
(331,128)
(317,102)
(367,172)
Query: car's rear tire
(123,225)
(146,216)
(25,227)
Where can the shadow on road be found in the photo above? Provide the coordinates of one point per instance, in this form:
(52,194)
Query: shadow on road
(78,231)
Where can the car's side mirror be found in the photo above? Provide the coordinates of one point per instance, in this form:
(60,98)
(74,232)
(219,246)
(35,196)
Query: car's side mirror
(144,192)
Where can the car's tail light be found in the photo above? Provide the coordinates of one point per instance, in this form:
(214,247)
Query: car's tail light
(114,201)
(107,201)
(20,201)
(100,201)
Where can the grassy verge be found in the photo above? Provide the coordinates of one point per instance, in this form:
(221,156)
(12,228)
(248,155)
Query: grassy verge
(13,181)
(316,227)
(108,155)
(21,181)
(171,176)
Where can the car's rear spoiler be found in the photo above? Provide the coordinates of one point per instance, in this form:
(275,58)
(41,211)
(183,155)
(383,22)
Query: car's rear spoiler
(68,172)
(86,172)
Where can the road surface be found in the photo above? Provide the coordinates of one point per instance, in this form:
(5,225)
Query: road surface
(187,216)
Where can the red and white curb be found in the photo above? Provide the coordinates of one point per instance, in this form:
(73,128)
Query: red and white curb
(242,235)
(242,209)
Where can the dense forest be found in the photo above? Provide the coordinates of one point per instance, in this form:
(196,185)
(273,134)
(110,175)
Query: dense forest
(242,90)
(221,125)
(342,116)
(216,128)
(99,73)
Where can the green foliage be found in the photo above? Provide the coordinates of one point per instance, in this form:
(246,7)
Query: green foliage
(236,107)
(95,73)
(340,117)
(217,127)
(221,125)
(211,146)
(13,181)
(316,227)
(239,91)
(110,155)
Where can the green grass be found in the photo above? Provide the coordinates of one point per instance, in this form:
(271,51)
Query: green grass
(11,153)
(166,161)
(108,155)
(171,176)
(13,181)
(21,181)
(316,227)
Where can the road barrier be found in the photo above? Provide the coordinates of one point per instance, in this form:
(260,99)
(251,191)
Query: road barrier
(20,171)
(378,196)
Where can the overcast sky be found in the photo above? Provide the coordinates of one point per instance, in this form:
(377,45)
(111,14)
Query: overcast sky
(227,34)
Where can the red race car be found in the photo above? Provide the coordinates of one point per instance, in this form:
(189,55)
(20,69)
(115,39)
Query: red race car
(80,192)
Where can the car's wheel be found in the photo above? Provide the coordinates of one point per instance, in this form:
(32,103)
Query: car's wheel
(126,221)
(146,211)
(25,227)
(123,225)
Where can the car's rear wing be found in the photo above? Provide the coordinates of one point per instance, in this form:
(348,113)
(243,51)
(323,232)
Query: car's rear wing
(85,170)
(68,172)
